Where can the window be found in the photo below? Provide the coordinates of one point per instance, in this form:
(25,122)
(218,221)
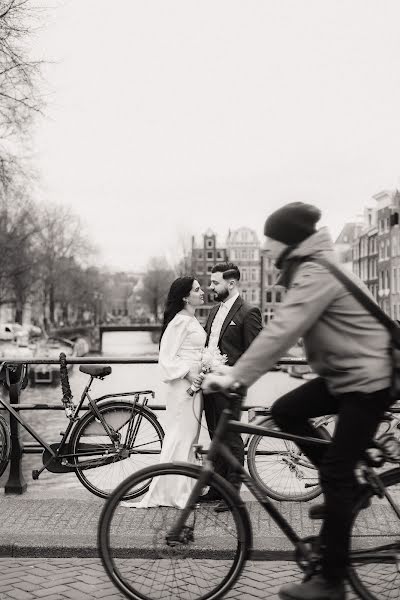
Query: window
(381,250)
(244,274)
(219,255)
(209,268)
(254,295)
(268,297)
(254,275)
(387,248)
(269,279)
(209,244)
(278,297)
(210,255)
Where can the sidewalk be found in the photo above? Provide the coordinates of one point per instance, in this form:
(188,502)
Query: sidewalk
(67,527)
(85,579)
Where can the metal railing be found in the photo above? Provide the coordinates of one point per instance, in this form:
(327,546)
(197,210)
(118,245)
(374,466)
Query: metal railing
(14,378)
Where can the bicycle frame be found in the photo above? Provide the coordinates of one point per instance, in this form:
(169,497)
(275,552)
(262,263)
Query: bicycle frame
(93,405)
(217,446)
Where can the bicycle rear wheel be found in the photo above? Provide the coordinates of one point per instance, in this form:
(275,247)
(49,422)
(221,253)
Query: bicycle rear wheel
(5,445)
(280,467)
(374,566)
(134,549)
(89,436)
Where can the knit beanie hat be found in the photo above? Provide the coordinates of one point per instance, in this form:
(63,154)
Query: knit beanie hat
(292,223)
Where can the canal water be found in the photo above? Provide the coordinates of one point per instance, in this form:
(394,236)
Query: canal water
(124,378)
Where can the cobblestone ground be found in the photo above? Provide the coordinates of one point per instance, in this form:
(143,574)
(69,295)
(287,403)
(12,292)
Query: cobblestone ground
(85,579)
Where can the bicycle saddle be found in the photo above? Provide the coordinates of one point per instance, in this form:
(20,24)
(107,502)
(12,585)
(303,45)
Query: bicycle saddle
(96,370)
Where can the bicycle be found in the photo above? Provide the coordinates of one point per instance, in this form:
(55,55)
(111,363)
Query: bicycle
(197,554)
(280,467)
(115,437)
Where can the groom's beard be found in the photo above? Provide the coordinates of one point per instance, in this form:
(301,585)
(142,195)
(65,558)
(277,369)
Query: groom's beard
(221,296)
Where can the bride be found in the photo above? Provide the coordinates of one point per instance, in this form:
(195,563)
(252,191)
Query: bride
(181,344)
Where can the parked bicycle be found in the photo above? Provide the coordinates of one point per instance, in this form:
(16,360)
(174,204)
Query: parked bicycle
(280,467)
(115,437)
(164,553)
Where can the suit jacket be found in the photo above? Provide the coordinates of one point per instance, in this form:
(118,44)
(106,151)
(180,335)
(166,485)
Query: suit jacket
(242,324)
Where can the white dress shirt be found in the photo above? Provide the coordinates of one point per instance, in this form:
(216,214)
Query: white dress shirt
(219,319)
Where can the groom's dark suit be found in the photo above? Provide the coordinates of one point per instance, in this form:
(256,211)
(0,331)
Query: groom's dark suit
(241,325)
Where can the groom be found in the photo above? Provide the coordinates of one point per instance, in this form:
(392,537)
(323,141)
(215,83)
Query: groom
(232,325)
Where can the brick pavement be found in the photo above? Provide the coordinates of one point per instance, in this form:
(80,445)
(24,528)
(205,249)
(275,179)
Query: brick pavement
(85,579)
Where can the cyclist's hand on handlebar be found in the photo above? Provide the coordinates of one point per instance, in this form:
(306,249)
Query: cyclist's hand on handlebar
(214,382)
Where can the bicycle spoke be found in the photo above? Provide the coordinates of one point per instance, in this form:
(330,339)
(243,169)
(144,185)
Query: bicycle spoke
(375,547)
(116,461)
(138,557)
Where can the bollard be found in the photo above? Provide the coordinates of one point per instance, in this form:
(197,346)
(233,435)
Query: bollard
(15,379)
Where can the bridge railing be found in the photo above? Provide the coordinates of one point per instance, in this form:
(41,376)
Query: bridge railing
(13,376)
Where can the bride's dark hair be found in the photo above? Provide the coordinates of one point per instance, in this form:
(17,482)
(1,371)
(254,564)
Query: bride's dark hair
(180,289)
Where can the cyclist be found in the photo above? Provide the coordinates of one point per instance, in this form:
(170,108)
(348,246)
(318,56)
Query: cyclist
(349,350)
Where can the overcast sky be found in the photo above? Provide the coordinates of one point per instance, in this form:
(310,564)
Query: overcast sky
(168,117)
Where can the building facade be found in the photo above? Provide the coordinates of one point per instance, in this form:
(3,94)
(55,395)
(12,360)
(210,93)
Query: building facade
(243,249)
(271,293)
(203,257)
(365,252)
(376,252)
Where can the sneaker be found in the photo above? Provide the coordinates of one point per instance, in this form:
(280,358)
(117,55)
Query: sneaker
(316,588)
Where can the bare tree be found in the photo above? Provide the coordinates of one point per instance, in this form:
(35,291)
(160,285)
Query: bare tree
(62,241)
(18,249)
(156,283)
(20,97)
(19,74)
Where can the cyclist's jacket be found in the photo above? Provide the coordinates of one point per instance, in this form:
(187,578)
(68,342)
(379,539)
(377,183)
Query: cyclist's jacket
(344,343)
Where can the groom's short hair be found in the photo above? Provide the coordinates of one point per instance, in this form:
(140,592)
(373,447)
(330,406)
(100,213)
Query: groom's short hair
(228,270)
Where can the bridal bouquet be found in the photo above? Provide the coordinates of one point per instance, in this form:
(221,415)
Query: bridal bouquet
(211,360)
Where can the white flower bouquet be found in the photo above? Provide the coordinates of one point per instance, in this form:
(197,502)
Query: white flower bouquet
(211,361)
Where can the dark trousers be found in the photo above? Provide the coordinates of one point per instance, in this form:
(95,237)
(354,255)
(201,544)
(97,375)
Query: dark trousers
(358,418)
(214,404)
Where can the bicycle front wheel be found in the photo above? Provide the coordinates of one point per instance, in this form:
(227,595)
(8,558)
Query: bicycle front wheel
(203,565)
(111,465)
(374,566)
(5,445)
(280,467)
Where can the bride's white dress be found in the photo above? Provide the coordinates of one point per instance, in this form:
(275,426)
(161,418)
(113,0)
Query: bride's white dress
(180,351)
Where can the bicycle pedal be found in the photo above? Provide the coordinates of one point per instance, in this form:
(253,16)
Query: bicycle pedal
(35,474)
